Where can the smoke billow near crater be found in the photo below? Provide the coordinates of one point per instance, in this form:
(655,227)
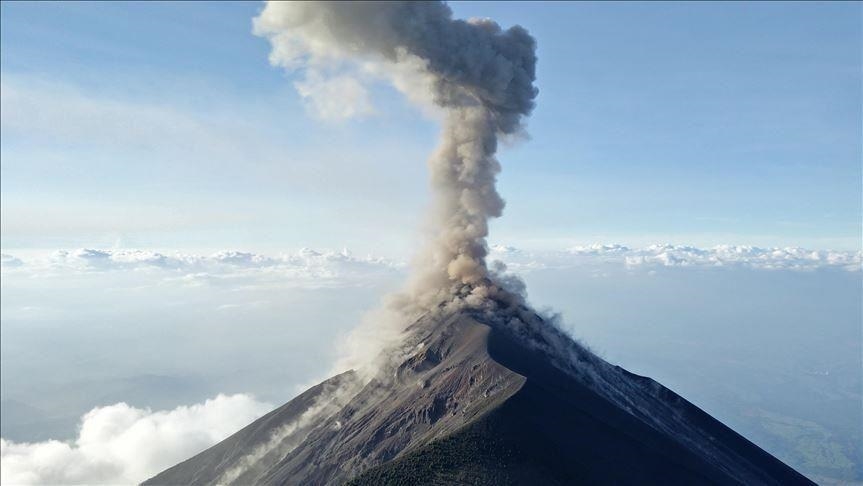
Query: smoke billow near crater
(479,78)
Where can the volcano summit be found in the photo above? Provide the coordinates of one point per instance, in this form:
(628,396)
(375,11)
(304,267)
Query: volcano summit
(473,400)
(467,384)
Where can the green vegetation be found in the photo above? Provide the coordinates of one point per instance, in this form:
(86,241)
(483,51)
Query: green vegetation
(814,446)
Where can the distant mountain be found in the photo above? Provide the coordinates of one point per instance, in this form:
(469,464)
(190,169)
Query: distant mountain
(469,400)
(21,422)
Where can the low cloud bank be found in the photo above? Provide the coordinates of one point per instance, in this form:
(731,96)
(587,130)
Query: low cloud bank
(121,444)
(330,265)
(305,268)
(666,255)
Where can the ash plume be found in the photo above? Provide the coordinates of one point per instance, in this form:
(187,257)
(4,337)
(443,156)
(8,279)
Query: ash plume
(477,75)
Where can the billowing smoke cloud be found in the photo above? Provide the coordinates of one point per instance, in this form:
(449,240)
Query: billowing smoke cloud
(477,74)
(480,77)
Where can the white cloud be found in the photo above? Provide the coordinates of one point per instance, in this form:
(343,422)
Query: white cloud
(303,269)
(504,250)
(789,258)
(331,268)
(307,260)
(120,444)
(599,249)
(664,255)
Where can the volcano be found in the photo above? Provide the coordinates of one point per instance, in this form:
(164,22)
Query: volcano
(475,396)
(478,388)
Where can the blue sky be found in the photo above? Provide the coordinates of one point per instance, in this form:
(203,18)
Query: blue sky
(163,126)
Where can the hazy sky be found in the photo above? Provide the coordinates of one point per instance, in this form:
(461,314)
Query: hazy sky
(164,126)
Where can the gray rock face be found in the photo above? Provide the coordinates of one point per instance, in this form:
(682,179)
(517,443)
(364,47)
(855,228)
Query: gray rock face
(467,402)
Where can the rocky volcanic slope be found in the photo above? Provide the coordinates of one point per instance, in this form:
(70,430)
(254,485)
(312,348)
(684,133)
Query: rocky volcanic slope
(468,403)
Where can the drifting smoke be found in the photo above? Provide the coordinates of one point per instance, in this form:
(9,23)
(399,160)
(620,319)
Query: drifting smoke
(287,437)
(477,74)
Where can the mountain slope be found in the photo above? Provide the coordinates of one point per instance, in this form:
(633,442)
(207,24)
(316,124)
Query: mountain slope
(469,400)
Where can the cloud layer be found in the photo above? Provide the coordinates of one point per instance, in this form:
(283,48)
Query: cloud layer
(666,255)
(120,444)
(305,268)
(335,268)
(254,310)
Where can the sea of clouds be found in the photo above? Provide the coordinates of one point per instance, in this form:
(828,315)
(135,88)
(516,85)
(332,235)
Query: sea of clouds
(305,267)
(668,255)
(225,304)
(321,268)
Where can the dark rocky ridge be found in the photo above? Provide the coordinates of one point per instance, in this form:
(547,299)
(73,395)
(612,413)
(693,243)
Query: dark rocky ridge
(469,403)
